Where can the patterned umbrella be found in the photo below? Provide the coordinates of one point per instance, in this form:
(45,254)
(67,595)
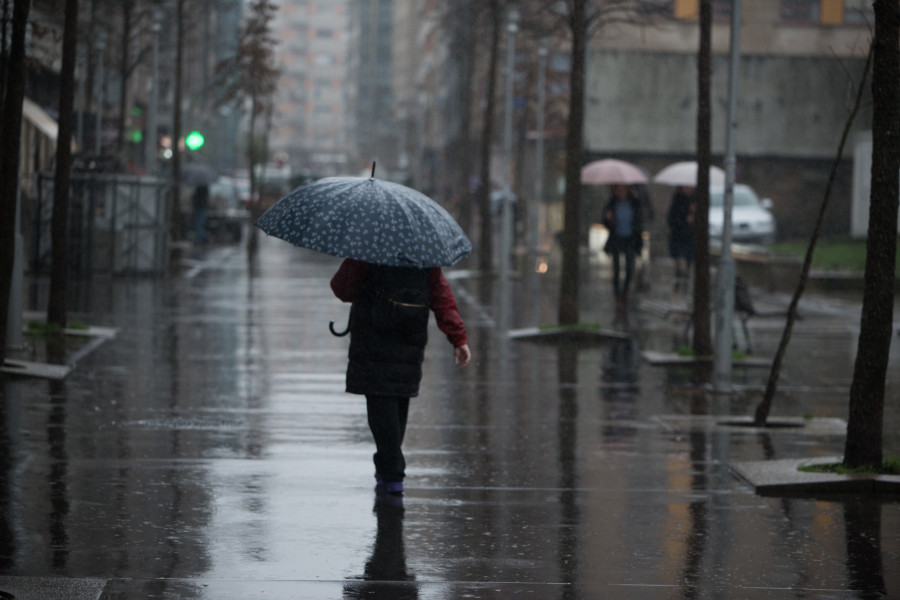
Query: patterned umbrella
(367,219)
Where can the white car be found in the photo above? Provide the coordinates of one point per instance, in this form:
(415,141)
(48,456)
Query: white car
(751,218)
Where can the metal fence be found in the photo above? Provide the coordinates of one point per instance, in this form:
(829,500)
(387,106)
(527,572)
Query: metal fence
(116,224)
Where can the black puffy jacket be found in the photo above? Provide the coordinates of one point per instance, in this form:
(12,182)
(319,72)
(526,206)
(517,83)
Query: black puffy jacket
(389,330)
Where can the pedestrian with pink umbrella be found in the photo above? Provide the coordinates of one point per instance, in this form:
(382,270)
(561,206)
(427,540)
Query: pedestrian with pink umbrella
(622,217)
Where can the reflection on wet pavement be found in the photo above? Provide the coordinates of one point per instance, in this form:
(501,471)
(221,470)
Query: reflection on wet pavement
(209,450)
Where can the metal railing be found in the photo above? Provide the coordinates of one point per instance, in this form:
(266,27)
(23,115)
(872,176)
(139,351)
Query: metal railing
(117,224)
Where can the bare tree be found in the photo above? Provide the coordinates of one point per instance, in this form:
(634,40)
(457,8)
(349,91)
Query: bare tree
(12,93)
(863,446)
(463,20)
(174,209)
(569,309)
(486,247)
(252,76)
(582,19)
(59,274)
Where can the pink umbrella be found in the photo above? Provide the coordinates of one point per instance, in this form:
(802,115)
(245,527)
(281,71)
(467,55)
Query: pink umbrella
(685,174)
(610,171)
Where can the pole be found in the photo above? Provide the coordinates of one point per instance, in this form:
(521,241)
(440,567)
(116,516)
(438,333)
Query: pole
(82,53)
(98,125)
(151,143)
(725,282)
(17,284)
(539,149)
(512,28)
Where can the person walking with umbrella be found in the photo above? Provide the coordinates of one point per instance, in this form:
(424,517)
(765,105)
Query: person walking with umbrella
(680,219)
(394,241)
(622,218)
(388,325)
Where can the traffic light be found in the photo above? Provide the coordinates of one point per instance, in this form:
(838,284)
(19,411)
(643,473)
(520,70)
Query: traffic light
(194,140)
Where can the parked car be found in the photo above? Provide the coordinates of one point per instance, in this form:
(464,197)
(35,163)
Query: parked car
(751,218)
(226,217)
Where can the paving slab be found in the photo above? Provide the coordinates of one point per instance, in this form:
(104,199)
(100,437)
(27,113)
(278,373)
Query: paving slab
(784,477)
(673,358)
(814,426)
(570,335)
(27,368)
(51,588)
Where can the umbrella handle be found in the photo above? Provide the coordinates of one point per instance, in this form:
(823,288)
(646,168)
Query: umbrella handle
(338,333)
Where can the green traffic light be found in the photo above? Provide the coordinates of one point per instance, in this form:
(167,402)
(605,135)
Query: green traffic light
(194,140)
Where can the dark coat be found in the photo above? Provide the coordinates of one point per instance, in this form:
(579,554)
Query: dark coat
(681,227)
(617,243)
(389,330)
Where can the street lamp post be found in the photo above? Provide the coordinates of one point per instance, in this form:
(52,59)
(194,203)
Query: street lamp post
(150,144)
(81,59)
(539,149)
(100,46)
(722,363)
(512,28)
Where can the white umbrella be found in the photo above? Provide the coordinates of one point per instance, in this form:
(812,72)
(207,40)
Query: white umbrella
(685,173)
(610,171)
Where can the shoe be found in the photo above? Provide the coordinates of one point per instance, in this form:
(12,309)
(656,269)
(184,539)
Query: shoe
(389,487)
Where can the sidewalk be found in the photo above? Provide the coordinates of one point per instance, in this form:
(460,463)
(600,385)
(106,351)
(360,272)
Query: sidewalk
(209,451)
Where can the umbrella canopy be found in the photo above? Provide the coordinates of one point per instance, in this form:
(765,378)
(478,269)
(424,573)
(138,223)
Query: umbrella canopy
(367,219)
(197,174)
(685,173)
(610,171)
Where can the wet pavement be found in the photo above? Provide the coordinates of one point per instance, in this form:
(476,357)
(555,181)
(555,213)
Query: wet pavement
(208,450)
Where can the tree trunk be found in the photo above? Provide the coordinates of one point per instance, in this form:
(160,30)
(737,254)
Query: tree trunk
(252,161)
(124,72)
(865,425)
(11,134)
(464,34)
(175,217)
(702,343)
(486,249)
(569,277)
(59,274)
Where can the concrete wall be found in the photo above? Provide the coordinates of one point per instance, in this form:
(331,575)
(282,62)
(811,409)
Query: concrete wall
(787,106)
(641,106)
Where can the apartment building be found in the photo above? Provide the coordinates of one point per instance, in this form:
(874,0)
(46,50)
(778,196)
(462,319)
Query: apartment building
(309,125)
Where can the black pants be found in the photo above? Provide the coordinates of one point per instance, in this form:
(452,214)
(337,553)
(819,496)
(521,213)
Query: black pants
(621,287)
(387,420)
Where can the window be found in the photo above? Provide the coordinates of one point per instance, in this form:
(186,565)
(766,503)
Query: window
(323,60)
(665,8)
(800,10)
(858,12)
(828,12)
(721,9)
(690,9)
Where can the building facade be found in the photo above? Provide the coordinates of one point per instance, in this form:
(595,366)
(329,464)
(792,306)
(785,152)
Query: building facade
(309,124)
(800,64)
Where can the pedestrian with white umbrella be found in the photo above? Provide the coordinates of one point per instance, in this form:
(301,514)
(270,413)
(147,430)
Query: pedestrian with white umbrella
(681,214)
(394,241)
